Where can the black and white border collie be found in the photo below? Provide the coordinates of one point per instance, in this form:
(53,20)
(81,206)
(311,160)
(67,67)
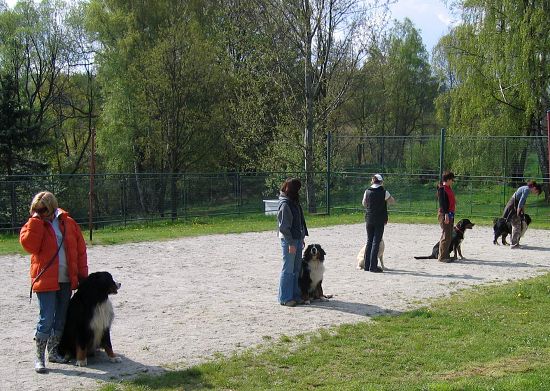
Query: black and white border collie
(89,318)
(311,276)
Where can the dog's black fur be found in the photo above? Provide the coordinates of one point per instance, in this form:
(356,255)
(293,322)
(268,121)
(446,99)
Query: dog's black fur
(456,241)
(311,275)
(89,318)
(503,228)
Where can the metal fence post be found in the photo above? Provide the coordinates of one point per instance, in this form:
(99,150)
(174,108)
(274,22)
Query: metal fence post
(505,173)
(327,191)
(441,153)
(548,134)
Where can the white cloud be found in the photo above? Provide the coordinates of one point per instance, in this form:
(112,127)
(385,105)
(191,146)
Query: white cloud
(445,19)
(431,17)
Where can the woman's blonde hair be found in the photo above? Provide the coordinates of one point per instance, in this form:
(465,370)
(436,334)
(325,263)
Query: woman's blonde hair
(44,199)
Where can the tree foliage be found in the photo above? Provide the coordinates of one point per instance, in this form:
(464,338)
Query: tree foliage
(17,140)
(496,65)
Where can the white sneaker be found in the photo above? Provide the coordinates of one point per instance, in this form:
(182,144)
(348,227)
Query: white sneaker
(514,246)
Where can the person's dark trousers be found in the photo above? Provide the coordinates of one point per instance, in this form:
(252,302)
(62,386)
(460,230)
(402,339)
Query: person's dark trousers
(374,236)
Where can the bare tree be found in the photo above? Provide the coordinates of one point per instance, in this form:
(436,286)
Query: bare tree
(330,36)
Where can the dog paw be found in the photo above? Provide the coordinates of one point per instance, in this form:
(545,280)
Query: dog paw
(81,363)
(115,359)
(307,302)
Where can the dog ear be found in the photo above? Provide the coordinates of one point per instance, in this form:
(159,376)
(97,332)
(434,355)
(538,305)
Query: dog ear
(322,251)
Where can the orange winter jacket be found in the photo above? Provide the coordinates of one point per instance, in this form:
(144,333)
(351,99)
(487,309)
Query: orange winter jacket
(38,238)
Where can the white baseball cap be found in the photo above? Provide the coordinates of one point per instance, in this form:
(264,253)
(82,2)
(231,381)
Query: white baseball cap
(379,177)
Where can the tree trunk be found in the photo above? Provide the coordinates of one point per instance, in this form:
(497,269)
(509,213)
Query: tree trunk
(13,200)
(139,187)
(174,195)
(309,128)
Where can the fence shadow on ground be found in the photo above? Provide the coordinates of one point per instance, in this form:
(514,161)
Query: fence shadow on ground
(535,248)
(352,307)
(483,262)
(433,275)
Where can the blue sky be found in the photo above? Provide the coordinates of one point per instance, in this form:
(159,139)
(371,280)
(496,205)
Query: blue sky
(429,16)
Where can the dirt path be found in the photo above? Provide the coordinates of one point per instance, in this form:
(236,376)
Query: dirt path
(184,300)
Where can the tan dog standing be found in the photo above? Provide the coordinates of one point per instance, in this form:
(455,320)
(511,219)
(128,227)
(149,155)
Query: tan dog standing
(361,256)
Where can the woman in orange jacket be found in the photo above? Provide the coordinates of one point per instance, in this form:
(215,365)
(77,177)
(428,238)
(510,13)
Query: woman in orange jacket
(58,263)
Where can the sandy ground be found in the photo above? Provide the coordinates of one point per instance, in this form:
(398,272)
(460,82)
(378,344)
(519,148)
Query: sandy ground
(183,301)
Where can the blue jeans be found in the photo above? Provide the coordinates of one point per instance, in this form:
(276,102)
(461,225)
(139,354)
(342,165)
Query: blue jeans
(292,265)
(374,236)
(53,311)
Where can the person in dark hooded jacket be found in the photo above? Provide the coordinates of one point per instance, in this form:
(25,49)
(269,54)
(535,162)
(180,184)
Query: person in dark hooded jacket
(292,232)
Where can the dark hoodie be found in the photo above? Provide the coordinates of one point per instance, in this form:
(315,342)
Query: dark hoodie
(290,218)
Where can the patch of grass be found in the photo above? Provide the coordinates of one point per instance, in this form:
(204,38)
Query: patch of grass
(487,338)
(9,244)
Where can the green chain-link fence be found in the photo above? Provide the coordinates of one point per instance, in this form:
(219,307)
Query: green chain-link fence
(488,170)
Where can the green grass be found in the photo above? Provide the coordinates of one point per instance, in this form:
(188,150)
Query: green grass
(486,338)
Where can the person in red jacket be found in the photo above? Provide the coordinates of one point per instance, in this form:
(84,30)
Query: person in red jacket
(58,263)
(446,215)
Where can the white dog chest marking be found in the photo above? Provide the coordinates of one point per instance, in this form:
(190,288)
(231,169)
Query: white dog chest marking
(316,270)
(101,320)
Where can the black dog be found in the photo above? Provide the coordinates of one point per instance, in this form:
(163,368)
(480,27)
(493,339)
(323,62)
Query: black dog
(89,318)
(503,228)
(456,240)
(311,276)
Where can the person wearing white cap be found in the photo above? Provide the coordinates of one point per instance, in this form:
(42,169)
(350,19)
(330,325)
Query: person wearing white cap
(375,201)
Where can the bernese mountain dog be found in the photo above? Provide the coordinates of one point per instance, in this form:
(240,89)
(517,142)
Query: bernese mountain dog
(89,318)
(311,275)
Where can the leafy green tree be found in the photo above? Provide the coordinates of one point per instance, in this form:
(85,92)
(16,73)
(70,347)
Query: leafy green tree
(498,57)
(40,51)
(327,39)
(18,142)
(394,93)
(264,99)
(163,82)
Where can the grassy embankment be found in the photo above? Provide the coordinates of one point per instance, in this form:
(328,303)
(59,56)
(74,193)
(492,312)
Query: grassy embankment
(486,338)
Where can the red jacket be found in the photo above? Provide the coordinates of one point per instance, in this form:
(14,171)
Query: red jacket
(38,238)
(447,201)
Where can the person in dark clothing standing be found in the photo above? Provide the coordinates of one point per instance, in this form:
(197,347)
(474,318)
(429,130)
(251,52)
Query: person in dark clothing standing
(446,215)
(375,201)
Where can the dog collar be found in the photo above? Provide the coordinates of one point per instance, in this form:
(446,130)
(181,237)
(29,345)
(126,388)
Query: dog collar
(458,230)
